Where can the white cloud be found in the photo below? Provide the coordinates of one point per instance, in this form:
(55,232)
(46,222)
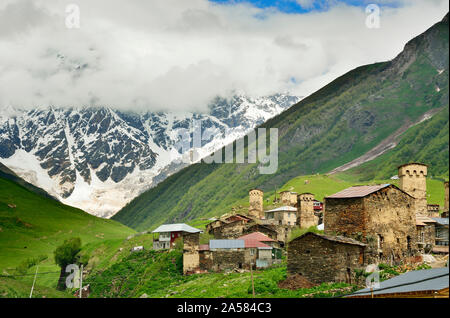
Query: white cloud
(178,54)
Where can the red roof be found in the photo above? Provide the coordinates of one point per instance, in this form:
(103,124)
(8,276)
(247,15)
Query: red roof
(256,236)
(203,247)
(255,244)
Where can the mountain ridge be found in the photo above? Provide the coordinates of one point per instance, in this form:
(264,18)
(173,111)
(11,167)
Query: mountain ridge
(333,126)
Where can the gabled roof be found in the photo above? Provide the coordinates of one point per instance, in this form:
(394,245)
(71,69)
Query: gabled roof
(180,227)
(337,239)
(283,209)
(256,236)
(358,191)
(434,279)
(226,244)
(361,191)
(239,216)
(256,244)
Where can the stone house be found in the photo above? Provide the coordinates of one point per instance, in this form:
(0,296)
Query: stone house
(265,249)
(382,216)
(267,230)
(441,235)
(229,230)
(227,255)
(425,227)
(285,215)
(324,258)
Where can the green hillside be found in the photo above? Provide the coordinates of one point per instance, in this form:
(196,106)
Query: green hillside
(32,226)
(427,142)
(333,126)
(160,275)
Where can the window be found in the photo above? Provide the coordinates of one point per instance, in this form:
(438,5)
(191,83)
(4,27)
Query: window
(380,241)
(408,242)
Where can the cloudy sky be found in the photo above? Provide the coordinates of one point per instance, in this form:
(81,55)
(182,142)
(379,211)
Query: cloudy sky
(178,54)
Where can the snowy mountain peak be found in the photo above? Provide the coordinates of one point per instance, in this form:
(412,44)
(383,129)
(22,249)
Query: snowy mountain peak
(98,159)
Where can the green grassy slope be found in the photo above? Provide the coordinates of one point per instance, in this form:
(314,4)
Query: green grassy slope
(159,275)
(7,173)
(11,288)
(331,127)
(37,225)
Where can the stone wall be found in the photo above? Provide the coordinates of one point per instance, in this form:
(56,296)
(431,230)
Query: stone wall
(227,259)
(256,208)
(344,217)
(390,214)
(264,229)
(321,260)
(384,219)
(426,235)
(306,217)
(229,231)
(288,198)
(191,257)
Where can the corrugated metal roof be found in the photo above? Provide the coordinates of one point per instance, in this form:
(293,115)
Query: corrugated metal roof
(181,227)
(226,244)
(410,278)
(284,209)
(441,221)
(358,191)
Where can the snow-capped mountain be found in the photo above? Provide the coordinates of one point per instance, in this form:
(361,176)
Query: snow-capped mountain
(98,159)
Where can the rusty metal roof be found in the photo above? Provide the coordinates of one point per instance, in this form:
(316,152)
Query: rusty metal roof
(358,191)
(337,239)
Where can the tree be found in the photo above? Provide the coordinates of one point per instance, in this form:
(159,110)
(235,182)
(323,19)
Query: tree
(66,254)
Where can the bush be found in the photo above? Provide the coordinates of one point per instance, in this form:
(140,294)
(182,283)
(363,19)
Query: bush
(264,287)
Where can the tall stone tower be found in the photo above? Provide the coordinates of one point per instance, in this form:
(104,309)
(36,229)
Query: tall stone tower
(288,198)
(413,180)
(305,214)
(446,196)
(256,208)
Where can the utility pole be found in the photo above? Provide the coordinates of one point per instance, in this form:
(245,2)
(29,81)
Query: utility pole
(81,281)
(253,284)
(34,281)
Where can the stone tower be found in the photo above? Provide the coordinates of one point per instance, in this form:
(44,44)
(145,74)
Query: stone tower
(446,196)
(256,208)
(413,180)
(288,198)
(305,216)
